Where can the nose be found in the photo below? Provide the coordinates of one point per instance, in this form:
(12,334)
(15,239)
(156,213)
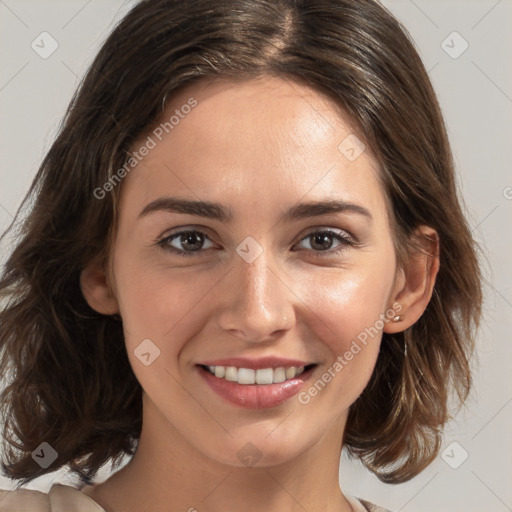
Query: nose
(256,302)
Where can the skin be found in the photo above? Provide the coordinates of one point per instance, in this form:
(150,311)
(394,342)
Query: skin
(257,147)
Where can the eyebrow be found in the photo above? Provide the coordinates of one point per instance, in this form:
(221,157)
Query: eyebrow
(218,212)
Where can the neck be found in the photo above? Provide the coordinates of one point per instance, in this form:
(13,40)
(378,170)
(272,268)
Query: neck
(166,470)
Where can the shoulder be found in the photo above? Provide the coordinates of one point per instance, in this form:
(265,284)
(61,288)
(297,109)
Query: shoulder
(60,498)
(24,499)
(360,505)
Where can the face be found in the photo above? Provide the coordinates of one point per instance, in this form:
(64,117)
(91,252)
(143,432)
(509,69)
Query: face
(255,279)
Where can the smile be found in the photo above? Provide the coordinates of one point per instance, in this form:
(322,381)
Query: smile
(255,388)
(248,376)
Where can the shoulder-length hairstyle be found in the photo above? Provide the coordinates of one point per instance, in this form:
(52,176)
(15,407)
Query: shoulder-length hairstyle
(70,382)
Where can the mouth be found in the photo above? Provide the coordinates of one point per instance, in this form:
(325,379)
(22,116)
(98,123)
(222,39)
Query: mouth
(260,376)
(255,388)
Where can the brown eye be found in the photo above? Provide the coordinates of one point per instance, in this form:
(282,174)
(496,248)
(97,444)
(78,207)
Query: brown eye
(323,241)
(184,243)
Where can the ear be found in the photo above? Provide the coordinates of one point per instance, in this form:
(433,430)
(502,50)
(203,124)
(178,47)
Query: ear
(415,282)
(96,289)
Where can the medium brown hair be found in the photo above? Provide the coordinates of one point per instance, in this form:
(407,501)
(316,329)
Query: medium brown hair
(70,381)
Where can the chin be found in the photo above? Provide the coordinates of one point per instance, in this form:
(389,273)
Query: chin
(260,451)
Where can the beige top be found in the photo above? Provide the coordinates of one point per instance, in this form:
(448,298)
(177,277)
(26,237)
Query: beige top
(64,498)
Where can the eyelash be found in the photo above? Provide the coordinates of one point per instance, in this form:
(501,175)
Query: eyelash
(346,241)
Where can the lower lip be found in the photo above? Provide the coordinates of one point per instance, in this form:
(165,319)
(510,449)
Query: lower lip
(255,396)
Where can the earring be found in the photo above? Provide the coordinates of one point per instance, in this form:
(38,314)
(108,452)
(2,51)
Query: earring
(396,318)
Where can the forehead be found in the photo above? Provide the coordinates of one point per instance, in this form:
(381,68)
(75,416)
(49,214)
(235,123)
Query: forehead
(267,115)
(254,142)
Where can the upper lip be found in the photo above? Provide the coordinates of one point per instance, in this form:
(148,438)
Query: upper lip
(256,363)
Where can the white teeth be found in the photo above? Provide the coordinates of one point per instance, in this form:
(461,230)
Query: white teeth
(290,372)
(260,376)
(246,376)
(279,375)
(263,376)
(231,374)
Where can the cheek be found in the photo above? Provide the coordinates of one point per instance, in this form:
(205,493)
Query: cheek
(346,314)
(161,307)
(347,303)
(162,304)
(143,291)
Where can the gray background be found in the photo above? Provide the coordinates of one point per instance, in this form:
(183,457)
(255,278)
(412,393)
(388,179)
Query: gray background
(475,92)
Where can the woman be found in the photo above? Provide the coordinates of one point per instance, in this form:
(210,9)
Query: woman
(245,251)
